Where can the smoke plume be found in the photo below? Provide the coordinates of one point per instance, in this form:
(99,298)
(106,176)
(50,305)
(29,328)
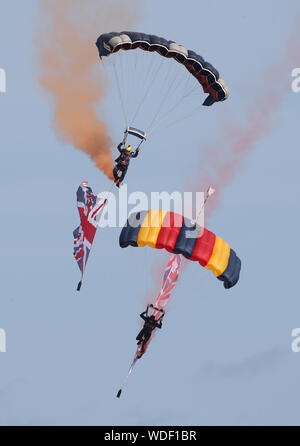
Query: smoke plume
(68,57)
(223,158)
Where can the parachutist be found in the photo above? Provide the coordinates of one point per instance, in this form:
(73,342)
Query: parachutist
(122,162)
(150,324)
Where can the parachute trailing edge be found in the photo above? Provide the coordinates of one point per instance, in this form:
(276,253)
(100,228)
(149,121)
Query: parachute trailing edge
(177,234)
(203,71)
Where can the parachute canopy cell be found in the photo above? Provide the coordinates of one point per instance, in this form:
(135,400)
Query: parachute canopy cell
(177,234)
(203,71)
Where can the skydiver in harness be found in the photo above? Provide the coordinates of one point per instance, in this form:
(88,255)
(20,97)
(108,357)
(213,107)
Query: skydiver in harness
(150,324)
(122,162)
(126,153)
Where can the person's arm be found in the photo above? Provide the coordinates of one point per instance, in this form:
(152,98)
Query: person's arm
(158,324)
(135,154)
(120,147)
(143,315)
(162,315)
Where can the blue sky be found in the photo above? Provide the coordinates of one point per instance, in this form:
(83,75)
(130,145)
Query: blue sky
(222,357)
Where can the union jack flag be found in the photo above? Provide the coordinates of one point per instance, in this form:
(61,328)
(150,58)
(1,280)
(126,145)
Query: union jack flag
(89,207)
(169,281)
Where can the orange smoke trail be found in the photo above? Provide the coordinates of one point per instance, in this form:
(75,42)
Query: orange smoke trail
(68,55)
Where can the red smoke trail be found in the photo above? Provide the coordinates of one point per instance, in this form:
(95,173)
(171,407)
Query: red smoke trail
(68,56)
(223,158)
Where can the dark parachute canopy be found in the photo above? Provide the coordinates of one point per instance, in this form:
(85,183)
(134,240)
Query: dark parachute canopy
(160,229)
(203,71)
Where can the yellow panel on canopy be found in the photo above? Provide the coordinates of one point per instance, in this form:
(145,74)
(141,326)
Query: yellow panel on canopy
(150,228)
(220,256)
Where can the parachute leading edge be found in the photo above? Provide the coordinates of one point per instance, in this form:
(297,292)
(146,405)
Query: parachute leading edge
(203,71)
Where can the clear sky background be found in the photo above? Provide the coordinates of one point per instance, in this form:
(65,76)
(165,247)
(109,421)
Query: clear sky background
(222,357)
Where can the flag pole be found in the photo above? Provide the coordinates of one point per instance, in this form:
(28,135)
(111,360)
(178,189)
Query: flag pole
(210,191)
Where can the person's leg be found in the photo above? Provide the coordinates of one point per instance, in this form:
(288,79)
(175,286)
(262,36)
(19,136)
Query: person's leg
(140,336)
(115,173)
(145,340)
(123,175)
(117,176)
